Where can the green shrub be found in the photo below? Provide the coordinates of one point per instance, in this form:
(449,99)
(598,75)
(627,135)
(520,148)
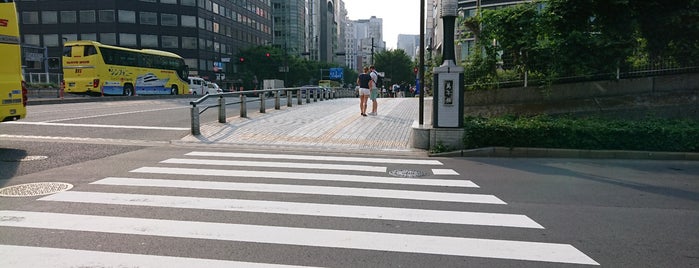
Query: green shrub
(653,134)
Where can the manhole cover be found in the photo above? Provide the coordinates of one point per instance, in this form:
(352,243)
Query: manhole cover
(406,173)
(34,189)
(26,158)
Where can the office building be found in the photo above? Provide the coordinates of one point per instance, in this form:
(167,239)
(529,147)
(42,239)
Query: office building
(204,32)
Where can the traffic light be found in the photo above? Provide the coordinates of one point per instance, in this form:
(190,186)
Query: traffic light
(267,54)
(242,60)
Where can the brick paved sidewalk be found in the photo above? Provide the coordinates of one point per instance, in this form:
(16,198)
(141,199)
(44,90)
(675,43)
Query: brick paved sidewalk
(328,125)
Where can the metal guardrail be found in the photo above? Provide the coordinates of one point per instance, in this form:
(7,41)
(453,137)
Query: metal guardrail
(300,93)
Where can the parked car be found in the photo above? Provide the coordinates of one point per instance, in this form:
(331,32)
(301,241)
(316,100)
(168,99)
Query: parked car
(197,86)
(213,88)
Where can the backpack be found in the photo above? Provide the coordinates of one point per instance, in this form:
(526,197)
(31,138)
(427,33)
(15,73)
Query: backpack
(379,80)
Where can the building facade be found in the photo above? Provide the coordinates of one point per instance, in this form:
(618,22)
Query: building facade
(369,40)
(204,32)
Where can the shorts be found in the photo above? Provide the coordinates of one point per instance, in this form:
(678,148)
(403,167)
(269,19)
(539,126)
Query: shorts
(363,91)
(374,94)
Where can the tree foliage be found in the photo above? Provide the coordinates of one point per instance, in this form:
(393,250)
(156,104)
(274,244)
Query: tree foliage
(268,62)
(559,38)
(396,65)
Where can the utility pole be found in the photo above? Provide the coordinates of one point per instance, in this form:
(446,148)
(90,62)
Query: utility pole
(421,69)
(372,51)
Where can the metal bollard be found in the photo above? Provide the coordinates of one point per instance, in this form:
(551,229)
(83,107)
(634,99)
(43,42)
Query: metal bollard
(243,106)
(322,94)
(315,95)
(276,99)
(288,98)
(221,109)
(308,96)
(262,102)
(194,111)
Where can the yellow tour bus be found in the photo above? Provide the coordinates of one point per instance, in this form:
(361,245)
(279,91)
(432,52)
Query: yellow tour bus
(13,91)
(90,67)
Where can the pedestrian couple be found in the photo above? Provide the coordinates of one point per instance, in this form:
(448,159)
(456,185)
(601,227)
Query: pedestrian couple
(368,89)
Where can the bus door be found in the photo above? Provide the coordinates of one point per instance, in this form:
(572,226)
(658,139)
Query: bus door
(13,93)
(79,72)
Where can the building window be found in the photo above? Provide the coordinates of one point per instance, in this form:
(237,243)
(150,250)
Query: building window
(106,16)
(49,17)
(216,27)
(127,39)
(152,1)
(188,21)
(127,16)
(202,23)
(88,36)
(168,19)
(69,17)
(188,2)
(169,2)
(170,42)
(149,18)
(189,42)
(87,16)
(69,37)
(51,40)
(149,40)
(30,17)
(108,38)
(32,39)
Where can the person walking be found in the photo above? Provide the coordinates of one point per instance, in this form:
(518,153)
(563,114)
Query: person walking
(374,90)
(364,82)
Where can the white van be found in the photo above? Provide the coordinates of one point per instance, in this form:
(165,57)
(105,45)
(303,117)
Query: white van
(212,88)
(197,86)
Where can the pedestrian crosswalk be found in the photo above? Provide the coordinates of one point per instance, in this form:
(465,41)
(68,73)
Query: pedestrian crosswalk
(315,190)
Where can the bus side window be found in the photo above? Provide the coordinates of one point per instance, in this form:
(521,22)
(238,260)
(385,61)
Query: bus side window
(90,50)
(67,51)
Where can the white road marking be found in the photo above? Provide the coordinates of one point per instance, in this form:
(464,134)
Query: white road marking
(303,176)
(320,158)
(273,164)
(95,125)
(437,171)
(296,208)
(304,189)
(392,242)
(86,140)
(23,256)
(120,113)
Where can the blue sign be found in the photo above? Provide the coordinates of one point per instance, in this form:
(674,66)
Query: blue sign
(336,73)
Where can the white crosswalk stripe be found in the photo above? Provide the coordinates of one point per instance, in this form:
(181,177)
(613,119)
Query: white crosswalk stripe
(305,189)
(186,188)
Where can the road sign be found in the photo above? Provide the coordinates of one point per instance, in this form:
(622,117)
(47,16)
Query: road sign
(336,73)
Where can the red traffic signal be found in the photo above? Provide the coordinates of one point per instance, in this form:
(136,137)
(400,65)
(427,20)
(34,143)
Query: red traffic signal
(242,59)
(267,54)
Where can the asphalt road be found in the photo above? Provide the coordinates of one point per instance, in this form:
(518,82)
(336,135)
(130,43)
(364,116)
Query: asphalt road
(139,201)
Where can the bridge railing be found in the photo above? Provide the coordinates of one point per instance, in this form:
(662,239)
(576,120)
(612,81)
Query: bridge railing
(241,97)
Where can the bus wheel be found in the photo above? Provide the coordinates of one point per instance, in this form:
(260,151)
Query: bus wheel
(128,90)
(173,90)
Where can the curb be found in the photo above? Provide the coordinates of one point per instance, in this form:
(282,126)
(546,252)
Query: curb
(79,99)
(568,153)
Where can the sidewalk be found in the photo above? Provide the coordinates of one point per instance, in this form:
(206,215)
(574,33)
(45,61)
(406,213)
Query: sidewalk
(330,125)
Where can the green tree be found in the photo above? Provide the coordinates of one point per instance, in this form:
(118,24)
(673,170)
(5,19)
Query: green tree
(670,29)
(396,65)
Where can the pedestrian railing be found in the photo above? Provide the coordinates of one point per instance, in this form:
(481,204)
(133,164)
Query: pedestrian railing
(241,98)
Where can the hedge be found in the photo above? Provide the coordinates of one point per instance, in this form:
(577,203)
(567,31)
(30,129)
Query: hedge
(652,134)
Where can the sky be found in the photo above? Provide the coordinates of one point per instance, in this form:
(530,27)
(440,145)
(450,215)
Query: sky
(399,16)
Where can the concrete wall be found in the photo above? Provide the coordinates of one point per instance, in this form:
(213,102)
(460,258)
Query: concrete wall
(645,95)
